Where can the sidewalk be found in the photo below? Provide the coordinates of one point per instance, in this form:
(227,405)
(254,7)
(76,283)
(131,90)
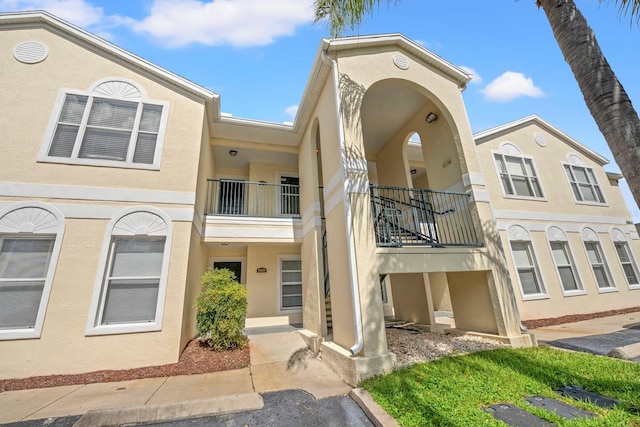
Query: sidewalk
(598,336)
(280,360)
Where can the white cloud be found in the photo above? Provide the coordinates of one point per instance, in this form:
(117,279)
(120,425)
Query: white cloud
(235,22)
(78,12)
(476,78)
(509,86)
(291,111)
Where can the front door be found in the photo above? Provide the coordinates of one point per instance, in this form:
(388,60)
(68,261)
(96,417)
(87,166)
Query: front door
(234,266)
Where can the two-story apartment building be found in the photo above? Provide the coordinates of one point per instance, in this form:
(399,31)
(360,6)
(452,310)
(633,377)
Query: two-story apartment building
(569,240)
(122,183)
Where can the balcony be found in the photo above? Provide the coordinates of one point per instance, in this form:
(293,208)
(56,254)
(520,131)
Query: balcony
(257,199)
(417,217)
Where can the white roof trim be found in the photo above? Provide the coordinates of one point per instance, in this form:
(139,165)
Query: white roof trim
(40,18)
(480,137)
(359,42)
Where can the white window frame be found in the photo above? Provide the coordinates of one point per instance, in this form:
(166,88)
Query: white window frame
(590,236)
(618,237)
(288,310)
(516,155)
(19,219)
(519,234)
(556,235)
(97,90)
(572,181)
(117,229)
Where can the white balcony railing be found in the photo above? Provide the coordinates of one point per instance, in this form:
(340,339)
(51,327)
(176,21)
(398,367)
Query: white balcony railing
(245,198)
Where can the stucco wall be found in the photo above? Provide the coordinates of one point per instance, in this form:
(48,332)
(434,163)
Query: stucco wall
(63,347)
(38,95)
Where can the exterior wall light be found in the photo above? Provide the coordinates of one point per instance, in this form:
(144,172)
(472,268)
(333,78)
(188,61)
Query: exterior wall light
(414,171)
(431,117)
(233,153)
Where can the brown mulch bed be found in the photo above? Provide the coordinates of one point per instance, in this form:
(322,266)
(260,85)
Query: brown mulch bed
(552,321)
(195,359)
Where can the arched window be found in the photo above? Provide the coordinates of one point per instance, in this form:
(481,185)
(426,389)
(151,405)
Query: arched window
(563,259)
(517,173)
(131,281)
(524,260)
(110,125)
(30,239)
(625,256)
(598,261)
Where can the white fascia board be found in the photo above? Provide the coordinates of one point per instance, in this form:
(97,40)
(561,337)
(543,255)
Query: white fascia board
(460,76)
(315,82)
(41,18)
(480,137)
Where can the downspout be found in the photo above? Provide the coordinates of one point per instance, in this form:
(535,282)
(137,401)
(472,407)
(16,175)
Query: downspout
(355,292)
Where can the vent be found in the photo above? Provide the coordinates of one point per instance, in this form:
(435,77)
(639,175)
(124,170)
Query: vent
(540,139)
(401,61)
(30,52)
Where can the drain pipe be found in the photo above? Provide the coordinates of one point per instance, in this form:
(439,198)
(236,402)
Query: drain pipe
(355,293)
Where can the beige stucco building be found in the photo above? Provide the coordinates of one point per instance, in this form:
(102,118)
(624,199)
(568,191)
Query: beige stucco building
(125,183)
(570,243)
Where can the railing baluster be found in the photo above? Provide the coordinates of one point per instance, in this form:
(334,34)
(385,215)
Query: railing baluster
(245,198)
(410,216)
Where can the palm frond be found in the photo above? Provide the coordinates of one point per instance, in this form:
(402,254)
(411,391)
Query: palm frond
(344,15)
(630,8)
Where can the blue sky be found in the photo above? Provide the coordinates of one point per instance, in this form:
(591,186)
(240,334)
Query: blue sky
(257,54)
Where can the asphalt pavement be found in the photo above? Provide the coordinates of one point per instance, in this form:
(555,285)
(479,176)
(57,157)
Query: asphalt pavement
(288,408)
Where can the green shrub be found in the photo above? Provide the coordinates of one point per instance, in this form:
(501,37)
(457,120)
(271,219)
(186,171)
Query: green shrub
(222,308)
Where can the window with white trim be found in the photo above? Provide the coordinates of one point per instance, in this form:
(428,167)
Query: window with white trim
(129,294)
(525,263)
(625,256)
(24,262)
(597,260)
(627,262)
(563,260)
(113,125)
(518,176)
(290,283)
(584,184)
(564,265)
(29,246)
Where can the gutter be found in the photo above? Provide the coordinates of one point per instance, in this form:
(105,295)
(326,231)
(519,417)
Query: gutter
(355,293)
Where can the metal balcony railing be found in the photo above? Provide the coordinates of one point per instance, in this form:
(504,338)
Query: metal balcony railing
(417,217)
(245,198)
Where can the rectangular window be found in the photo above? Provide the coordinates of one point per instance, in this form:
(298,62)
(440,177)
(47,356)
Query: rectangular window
(24,263)
(518,176)
(584,184)
(131,290)
(103,129)
(527,269)
(598,265)
(291,283)
(564,264)
(628,265)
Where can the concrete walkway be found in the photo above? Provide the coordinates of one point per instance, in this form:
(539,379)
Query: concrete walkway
(614,335)
(280,360)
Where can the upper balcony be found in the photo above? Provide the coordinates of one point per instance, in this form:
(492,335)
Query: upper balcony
(245,211)
(419,217)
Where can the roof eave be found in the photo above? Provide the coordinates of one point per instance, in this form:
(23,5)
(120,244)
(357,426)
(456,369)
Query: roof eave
(41,18)
(482,136)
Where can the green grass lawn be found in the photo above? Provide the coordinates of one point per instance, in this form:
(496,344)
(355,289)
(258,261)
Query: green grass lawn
(453,390)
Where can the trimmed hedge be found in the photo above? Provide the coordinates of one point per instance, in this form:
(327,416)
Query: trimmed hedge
(222,308)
